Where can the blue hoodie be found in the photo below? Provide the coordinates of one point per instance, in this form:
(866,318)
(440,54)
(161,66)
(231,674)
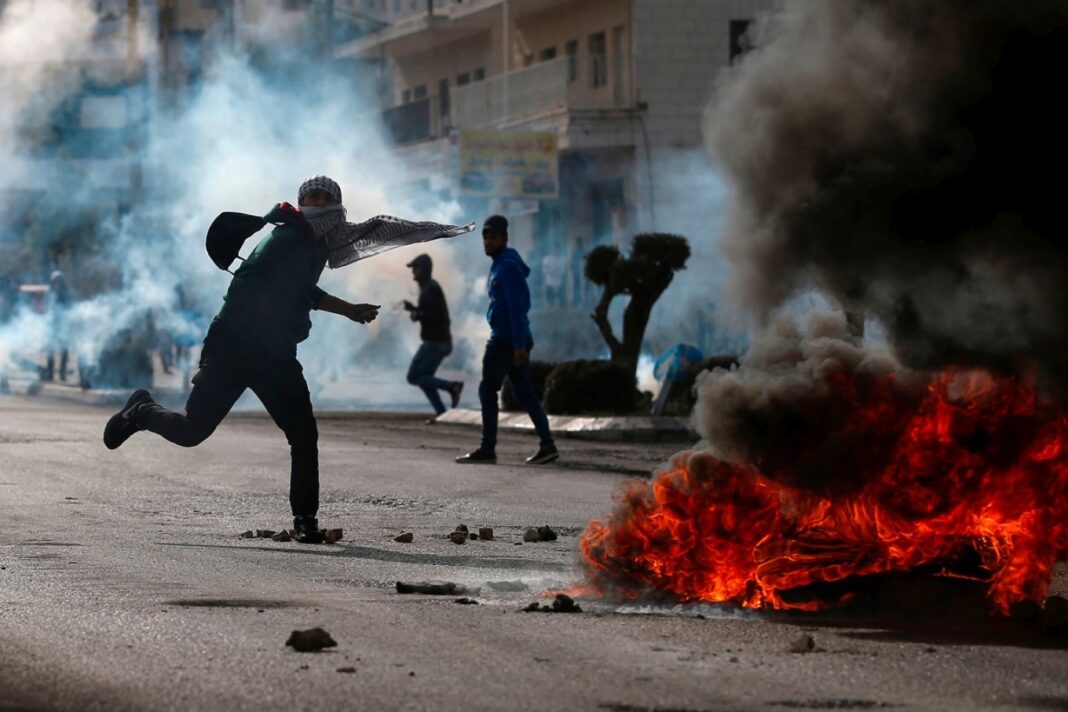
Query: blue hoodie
(509,299)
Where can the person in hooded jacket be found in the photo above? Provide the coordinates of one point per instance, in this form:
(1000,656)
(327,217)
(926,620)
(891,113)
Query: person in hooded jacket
(432,313)
(252,344)
(508,349)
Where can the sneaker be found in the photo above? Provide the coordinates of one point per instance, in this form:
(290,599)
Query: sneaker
(455,391)
(478,457)
(306,529)
(122,425)
(544,455)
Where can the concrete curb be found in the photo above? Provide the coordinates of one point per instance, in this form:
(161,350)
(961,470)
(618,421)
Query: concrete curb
(633,428)
(98,397)
(609,428)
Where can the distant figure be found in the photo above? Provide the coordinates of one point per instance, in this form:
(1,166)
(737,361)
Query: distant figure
(252,344)
(187,336)
(554,271)
(508,349)
(59,300)
(578,276)
(432,313)
(9,300)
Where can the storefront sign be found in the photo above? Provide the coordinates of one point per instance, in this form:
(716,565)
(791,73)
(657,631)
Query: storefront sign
(508,164)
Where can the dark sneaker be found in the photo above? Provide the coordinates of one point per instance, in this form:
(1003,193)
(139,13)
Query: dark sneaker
(455,391)
(123,424)
(306,530)
(544,455)
(478,457)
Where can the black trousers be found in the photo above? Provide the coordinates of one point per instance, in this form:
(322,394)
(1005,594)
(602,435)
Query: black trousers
(279,384)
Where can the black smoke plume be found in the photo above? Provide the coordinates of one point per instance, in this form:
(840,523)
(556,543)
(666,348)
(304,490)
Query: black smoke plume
(904,157)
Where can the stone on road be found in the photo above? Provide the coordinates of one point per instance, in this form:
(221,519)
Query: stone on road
(125,584)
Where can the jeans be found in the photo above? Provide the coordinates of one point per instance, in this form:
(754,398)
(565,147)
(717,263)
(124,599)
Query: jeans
(279,384)
(421,372)
(496,365)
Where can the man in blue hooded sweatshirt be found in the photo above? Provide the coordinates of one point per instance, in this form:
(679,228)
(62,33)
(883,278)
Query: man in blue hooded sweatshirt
(508,349)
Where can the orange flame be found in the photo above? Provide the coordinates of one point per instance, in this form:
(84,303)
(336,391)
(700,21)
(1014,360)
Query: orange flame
(979,474)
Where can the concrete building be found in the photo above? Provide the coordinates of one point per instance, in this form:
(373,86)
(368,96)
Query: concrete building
(622,83)
(72,136)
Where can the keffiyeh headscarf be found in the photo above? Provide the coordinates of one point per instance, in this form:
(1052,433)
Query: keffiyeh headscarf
(348,242)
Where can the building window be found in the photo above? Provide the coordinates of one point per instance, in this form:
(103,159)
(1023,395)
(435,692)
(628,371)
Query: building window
(547,54)
(479,74)
(598,47)
(571,50)
(419,92)
(463,78)
(739,38)
(443,96)
(406,96)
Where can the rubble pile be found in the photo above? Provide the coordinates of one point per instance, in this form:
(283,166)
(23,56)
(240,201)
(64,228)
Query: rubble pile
(561,604)
(311,640)
(435,588)
(463,534)
(542,533)
(326,536)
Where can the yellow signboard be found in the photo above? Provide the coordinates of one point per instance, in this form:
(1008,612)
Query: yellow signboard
(508,164)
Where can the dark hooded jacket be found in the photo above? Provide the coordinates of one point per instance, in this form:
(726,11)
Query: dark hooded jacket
(509,299)
(267,307)
(431,312)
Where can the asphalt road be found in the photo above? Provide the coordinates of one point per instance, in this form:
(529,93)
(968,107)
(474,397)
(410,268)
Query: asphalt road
(124,585)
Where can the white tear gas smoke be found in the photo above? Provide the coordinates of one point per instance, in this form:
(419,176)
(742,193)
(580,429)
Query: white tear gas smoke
(36,38)
(241,137)
(890,153)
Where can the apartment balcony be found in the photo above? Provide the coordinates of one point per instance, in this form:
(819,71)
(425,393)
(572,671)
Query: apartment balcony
(597,83)
(419,120)
(587,102)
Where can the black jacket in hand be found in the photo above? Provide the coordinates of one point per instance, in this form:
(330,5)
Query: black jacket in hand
(431,312)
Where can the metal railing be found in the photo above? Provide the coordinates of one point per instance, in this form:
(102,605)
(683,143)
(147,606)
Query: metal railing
(415,121)
(568,82)
(564,83)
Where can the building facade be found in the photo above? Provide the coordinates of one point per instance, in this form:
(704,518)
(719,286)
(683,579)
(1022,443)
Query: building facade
(622,85)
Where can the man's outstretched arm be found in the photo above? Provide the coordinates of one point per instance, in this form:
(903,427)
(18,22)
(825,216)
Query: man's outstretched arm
(360,313)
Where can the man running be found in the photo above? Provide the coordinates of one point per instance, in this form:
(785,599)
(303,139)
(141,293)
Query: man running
(432,313)
(252,343)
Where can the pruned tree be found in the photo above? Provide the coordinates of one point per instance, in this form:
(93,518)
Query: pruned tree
(643,276)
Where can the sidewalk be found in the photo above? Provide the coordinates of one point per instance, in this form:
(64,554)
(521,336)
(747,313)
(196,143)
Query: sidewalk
(388,392)
(631,428)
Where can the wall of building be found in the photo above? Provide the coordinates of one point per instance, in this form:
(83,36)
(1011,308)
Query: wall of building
(449,62)
(681,46)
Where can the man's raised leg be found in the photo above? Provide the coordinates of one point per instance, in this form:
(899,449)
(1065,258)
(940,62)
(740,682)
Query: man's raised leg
(215,390)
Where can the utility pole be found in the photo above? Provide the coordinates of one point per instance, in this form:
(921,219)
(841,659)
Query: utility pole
(135,98)
(505,60)
(331,29)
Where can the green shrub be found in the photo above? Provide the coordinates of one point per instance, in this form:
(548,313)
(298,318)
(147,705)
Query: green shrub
(539,371)
(576,387)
